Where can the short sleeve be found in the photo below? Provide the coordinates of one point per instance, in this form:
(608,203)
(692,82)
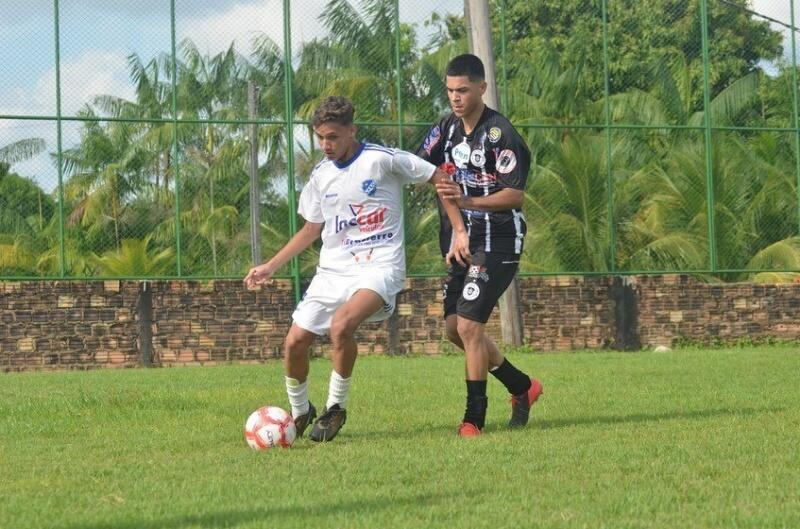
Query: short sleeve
(310,205)
(513,160)
(411,169)
(432,148)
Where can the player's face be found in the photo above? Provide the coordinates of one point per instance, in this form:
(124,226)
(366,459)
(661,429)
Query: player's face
(338,142)
(465,96)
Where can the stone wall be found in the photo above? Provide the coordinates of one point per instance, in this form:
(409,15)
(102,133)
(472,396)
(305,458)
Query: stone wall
(675,308)
(78,324)
(67,324)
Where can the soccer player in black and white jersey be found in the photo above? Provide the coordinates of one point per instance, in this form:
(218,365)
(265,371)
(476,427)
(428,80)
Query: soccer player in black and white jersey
(354,202)
(488,162)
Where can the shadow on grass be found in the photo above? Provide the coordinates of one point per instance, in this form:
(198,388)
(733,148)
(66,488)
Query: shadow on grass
(547,424)
(265,515)
(565,422)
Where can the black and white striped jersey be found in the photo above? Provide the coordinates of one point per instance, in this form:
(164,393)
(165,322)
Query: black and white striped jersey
(492,157)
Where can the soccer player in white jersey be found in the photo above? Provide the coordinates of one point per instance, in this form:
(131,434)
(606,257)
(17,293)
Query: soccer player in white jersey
(354,201)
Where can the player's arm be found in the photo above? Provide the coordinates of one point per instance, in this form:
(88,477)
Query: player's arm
(459,249)
(511,171)
(505,199)
(304,238)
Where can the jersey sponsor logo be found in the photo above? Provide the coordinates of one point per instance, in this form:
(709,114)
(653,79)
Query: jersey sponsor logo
(367,221)
(331,195)
(507,161)
(369,187)
(495,134)
(372,240)
(478,158)
(474,178)
(471,291)
(461,154)
(433,138)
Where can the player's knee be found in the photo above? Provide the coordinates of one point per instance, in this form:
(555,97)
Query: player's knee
(342,328)
(453,337)
(295,344)
(452,334)
(469,330)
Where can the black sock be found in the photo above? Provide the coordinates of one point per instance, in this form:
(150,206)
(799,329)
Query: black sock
(476,403)
(515,381)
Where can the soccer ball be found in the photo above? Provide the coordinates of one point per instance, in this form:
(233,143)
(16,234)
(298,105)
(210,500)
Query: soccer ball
(269,427)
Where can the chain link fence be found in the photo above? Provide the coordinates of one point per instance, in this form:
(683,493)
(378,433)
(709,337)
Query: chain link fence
(664,133)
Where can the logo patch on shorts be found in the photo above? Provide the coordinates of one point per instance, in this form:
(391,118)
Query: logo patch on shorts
(471,291)
(369,187)
(478,272)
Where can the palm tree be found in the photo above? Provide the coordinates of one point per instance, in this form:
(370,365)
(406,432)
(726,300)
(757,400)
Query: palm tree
(21,150)
(104,171)
(134,259)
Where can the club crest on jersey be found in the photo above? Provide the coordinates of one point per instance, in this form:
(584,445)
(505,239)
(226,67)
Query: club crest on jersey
(495,134)
(478,158)
(506,161)
(367,221)
(433,138)
(369,187)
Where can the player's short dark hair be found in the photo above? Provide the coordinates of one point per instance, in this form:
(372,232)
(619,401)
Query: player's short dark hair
(466,65)
(335,109)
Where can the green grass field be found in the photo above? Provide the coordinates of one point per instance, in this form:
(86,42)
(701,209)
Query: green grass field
(685,439)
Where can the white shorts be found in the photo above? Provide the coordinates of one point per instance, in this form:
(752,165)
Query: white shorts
(327,292)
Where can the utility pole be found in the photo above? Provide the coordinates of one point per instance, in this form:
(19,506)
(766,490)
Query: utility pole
(479,35)
(255,189)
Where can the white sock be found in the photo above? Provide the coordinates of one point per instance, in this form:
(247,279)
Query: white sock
(298,396)
(337,390)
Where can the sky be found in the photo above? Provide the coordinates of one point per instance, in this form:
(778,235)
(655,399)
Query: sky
(97,36)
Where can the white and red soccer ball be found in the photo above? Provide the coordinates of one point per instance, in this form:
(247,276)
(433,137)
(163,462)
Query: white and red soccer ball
(269,427)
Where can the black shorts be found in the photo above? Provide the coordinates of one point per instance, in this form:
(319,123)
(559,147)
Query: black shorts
(473,291)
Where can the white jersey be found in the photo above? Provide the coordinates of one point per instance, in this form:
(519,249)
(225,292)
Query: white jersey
(361,204)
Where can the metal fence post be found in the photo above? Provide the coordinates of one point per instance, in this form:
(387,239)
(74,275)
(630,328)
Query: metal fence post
(289,109)
(144,309)
(796,115)
(62,260)
(255,188)
(175,157)
(612,242)
(712,246)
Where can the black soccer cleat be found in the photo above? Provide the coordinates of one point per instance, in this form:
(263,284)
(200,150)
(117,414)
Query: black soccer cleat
(521,404)
(302,422)
(328,424)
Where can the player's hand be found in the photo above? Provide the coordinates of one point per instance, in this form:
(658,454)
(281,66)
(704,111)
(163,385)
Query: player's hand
(259,275)
(447,189)
(459,250)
